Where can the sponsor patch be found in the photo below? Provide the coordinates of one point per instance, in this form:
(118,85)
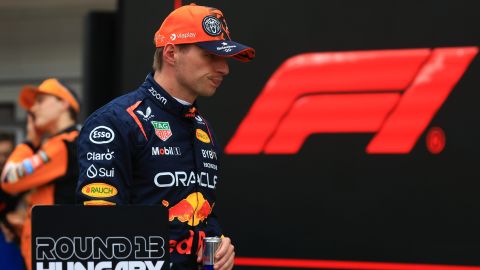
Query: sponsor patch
(191,112)
(99,190)
(226,48)
(101,156)
(202,136)
(157,95)
(92,172)
(98,202)
(162,130)
(194,209)
(166,151)
(210,165)
(212,26)
(199,120)
(147,115)
(174,36)
(211,154)
(159,38)
(101,135)
(185,178)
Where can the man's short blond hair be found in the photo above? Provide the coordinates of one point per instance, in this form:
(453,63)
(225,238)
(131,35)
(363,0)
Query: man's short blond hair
(158,56)
(157,59)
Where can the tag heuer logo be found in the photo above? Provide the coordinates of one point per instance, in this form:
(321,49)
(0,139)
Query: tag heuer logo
(162,130)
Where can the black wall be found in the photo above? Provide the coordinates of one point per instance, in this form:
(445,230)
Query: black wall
(100,60)
(332,200)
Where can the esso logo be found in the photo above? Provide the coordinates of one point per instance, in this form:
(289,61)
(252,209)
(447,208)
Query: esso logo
(101,135)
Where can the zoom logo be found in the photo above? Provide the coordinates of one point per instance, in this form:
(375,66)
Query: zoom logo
(391,93)
(157,95)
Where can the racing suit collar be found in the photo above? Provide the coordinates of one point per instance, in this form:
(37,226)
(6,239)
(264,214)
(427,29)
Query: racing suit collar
(162,98)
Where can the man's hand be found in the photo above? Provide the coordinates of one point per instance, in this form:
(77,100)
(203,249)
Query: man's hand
(224,257)
(33,135)
(16,220)
(8,235)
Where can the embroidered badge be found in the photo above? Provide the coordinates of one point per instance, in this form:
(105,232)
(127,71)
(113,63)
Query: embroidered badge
(162,130)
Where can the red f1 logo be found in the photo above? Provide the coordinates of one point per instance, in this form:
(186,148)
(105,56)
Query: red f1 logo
(392,93)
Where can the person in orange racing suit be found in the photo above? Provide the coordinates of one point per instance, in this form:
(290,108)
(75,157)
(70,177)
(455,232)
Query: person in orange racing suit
(10,256)
(46,170)
(152,146)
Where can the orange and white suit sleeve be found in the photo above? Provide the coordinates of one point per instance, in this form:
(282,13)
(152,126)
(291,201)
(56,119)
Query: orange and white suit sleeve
(26,169)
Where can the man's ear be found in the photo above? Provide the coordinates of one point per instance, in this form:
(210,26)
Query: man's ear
(169,54)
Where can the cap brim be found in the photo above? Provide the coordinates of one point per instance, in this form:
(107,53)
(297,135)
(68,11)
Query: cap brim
(228,48)
(27,96)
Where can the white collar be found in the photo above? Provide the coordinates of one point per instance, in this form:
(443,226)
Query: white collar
(183,102)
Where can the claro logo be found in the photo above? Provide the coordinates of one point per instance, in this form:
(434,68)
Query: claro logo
(392,93)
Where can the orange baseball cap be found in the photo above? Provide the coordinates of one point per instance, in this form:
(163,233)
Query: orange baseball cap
(52,87)
(204,26)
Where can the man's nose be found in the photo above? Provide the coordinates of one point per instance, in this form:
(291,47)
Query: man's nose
(222,66)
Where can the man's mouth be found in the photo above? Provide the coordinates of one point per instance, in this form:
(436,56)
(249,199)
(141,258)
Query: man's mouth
(216,81)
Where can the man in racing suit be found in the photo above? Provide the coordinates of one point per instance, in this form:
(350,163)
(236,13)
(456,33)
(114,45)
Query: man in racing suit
(152,146)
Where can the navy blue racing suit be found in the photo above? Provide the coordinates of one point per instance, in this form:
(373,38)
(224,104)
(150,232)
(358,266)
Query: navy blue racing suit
(147,148)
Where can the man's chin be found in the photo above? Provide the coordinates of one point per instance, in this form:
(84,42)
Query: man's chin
(209,92)
(41,127)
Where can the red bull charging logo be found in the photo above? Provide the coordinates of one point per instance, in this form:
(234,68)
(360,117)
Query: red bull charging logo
(193,209)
